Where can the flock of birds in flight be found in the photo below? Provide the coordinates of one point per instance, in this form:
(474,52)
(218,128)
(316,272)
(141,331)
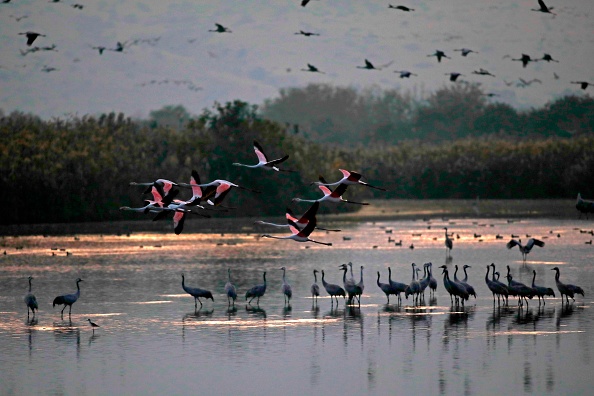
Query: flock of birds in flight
(213,193)
(120,47)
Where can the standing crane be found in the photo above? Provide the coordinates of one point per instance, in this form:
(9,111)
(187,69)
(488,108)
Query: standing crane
(30,300)
(315,288)
(566,289)
(230,289)
(333,290)
(197,293)
(541,291)
(286,287)
(256,291)
(525,249)
(68,299)
(449,243)
(396,286)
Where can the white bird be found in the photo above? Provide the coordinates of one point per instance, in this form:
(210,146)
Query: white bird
(165,184)
(525,249)
(256,291)
(566,289)
(230,290)
(196,292)
(315,288)
(93,325)
(449,244)
(264,162)
(286,288)
(333,290)
(349,178)
(300,235)
(30,300)
(222,189)
(331,196)
(541,291)
(68,299)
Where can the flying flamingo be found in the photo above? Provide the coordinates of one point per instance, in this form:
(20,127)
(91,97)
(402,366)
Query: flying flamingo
(301,221)
(300,235)
(331,196)
(263,161)
(348,178)
(222,189)
(165,184)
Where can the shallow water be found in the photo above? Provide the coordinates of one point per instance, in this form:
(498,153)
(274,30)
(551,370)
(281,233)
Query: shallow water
(152,341)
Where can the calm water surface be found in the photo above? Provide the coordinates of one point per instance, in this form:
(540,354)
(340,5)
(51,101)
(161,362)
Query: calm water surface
(152,341)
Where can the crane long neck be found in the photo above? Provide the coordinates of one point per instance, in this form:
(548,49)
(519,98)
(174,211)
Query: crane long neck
(389,275)
(229,273)
(30,285)
(264,276)
(487,274)
(413,269)
(465,274)
(315,277)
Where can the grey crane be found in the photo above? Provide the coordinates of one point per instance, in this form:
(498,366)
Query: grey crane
(543,8)
(497,288)
(483,72)
(368,66)
(464,281)
(521,290)
(196,292)
(525,249)
(405,73)
(220,29)
(30,300)
(548,58)
(333,290)
(565,288)
(311,68)
(414,287)
(432,280)
(315,288)
(256,291)
(454,289)
(525,59)
(449,243)
(465,51)
(401,8)
(68,299)
(582,84)
(439,54)
(385,287)
(230,289)
(31,36)
(398,287)
(349,285)
(286,287)
(454,76)
(541,291)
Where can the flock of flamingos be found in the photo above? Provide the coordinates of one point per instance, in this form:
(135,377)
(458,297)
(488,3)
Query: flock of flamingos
(212,194)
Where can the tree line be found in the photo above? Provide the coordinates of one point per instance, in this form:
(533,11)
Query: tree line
(79,168)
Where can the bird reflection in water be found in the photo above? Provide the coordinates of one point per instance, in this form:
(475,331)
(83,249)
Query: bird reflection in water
(255,311)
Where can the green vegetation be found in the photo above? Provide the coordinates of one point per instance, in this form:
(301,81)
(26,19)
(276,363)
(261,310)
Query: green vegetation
(456,146)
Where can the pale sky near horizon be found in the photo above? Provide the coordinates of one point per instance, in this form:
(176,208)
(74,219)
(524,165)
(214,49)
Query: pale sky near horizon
(174,53)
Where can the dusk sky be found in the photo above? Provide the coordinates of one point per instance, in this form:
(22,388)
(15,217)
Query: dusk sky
(171,58)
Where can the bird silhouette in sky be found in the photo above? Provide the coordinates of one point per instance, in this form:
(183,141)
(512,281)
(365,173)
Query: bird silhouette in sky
(582,84)
(543,8)
(401,8)
(483,72)
(405,73)
(307,34)
(439,54)
(220,29)
(313,69)
(31,36)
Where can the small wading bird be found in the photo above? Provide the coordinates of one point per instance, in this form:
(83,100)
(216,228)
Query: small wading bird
(315,288)
(286,288)
(68,299)
(543,8)
(31,36)
(525,249)
(333,290)
(401,8)
(220,29)
(311,68)
(405,73)
(93,325)
(348,178)
(541,291)
(30,300)
(264,162)
(230,289)
(439,54)
(566,289)
(300,235)
(196,293)
(331,196)
(256,291)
